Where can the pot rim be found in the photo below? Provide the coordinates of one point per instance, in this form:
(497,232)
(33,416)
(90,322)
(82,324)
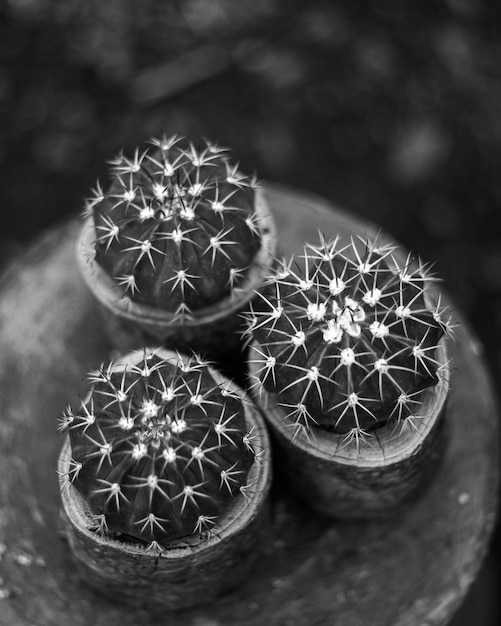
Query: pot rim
(240,514)
(388,444)
(108,292)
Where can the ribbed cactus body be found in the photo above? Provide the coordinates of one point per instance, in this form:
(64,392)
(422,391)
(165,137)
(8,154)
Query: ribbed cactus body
(347,342)
(160,448)
(176,228)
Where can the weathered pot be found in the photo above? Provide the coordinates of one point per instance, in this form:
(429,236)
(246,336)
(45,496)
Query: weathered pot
(375,477)
(189,570)
(214,331)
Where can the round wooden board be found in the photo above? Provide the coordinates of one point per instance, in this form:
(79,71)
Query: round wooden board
(413,570)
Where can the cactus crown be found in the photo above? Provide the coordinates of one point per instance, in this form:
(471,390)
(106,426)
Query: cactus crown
(177,228)
(348,342)
(160,448)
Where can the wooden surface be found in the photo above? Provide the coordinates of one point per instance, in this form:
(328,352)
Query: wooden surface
(413,570)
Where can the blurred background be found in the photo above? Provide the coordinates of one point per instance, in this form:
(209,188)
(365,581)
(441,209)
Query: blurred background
(390,109)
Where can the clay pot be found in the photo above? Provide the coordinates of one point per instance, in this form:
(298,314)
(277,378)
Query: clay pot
(189,570)
(366,479)
(213,331)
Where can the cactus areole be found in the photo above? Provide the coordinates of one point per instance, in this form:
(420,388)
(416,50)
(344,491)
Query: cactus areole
(179,229)
(160,449)
(348,342)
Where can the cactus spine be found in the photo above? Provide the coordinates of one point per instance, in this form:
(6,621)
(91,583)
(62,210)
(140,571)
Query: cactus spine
(348,342)
(177,229)
(159,449)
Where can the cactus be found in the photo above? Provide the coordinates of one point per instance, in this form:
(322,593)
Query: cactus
(348,341)
(159,448)
(178,228)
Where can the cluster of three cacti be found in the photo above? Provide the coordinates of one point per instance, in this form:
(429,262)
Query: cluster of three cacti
(166,469)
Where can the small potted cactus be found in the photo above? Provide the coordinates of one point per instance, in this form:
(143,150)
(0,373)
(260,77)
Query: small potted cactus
(164,478)
(348,361)
(176,246)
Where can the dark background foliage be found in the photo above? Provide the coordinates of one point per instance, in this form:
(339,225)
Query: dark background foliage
(391,109)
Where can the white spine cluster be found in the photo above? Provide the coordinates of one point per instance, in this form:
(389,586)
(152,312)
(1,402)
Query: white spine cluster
(369,337)
(182,213)
(159,447)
